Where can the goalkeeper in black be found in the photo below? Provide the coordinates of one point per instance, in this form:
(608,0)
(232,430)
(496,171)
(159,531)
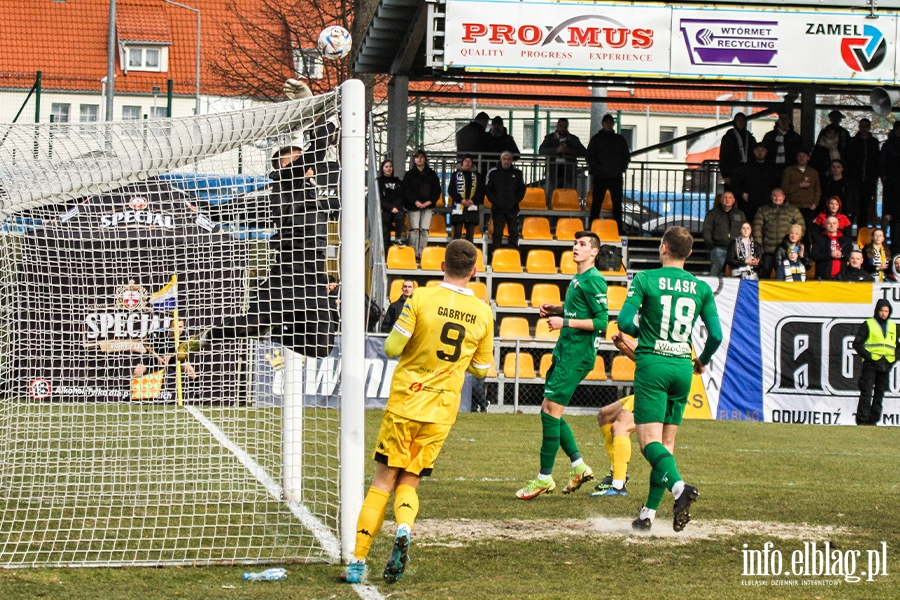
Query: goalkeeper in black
(293,302)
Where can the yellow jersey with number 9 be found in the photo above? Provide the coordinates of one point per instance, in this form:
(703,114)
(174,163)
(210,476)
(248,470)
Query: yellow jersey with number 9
(448,329)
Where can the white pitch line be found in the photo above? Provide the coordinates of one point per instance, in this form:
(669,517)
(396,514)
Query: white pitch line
(326,539)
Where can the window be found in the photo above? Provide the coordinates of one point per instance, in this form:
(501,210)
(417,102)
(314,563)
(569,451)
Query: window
(667,134)
(308,63)
(628,134)
(158,112)
(142,58)
(89,113)
(60,112)
(528,135)
(131,113)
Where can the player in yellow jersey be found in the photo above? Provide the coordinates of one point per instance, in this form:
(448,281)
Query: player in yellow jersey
(442,333)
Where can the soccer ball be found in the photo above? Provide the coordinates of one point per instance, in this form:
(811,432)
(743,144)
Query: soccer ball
(334,42)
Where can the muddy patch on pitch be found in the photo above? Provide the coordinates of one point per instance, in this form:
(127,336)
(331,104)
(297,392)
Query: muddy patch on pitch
(460,532)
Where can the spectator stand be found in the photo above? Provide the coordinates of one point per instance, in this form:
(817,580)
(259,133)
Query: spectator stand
(517,282)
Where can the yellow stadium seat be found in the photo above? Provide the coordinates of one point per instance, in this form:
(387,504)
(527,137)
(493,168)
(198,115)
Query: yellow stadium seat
(433,283)
(438,226)
(568,227)
(615,295)
(535,199)
(440,201)
(479,262)
(526,366)
(546,361)
(487,201)
(506,260)
(432,257)
(612,329)
(567,264)
(542,331)
(607,201)
(598,373)
(620,273)
(540,261)
(545,293)
(514,327)
(492,371)
(511,295)
(565,199)
(396,289)
(864,237)
(479,289)
(401,258)
(622,369)
(536,228)
(607,230)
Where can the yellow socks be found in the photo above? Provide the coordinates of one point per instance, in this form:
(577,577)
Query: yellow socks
(371,517)
(606,430)
(406,505)
(621,454)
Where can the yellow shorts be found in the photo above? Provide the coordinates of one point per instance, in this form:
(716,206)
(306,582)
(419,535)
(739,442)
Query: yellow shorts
(628,403)
(409,445)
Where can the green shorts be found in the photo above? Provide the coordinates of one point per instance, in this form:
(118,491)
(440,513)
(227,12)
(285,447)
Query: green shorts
(562,379)
(661,389)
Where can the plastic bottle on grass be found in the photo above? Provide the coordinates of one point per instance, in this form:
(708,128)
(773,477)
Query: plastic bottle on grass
(267,575)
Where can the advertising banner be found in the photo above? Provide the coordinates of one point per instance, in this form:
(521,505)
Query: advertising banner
(96,286)
(655,40)
(552,37)
(781,45)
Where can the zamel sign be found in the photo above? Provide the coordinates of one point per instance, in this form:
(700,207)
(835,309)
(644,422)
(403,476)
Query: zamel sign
(563,38)
(777,45)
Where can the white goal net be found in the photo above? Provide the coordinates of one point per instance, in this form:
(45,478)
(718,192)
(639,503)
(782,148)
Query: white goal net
(169,308)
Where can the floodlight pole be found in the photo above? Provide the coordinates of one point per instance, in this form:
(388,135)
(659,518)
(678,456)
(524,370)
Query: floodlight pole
(110,59)
(197,56)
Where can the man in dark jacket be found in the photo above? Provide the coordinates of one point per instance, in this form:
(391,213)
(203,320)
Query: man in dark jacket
(505,189)
(499,141)
(721,226)
(473,139)
(830,249)
(607,157)
(863,167)
(853,271)
(890,177)
(563,148)
(755,182)
(837,183)
(396,307)
(782,144)
(734,152)
(876,345)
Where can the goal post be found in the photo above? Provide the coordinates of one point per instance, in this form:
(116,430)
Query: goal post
(243,443)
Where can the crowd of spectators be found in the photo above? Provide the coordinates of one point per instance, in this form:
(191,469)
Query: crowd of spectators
(804,208)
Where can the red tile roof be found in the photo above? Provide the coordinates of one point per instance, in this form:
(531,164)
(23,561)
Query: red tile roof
(575,96)
(143,22)
(67,42)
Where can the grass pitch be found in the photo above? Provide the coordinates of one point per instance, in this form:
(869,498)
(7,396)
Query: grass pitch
(784,485)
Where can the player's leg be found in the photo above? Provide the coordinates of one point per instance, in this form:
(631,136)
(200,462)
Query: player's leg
(562,380)
(622,428)
(651,383)
(427,439)
(370,520)
(605,418)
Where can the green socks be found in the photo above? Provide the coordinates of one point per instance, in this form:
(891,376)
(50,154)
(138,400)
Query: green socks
(664,473)
(550,445)
(556,433)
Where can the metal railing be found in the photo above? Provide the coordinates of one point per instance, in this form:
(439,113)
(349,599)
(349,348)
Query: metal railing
(656,194)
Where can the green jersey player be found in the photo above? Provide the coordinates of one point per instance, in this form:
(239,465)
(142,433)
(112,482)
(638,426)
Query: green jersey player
(583,315)
(669,299)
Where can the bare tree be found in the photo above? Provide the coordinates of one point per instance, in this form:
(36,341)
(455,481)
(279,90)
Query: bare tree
(278,39)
